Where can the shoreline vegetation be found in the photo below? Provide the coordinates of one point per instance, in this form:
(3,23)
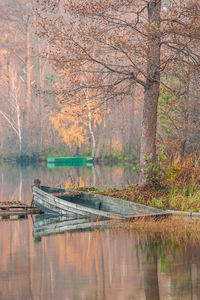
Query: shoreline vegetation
(176,188)
(163,197)
(171,232)
(42,157)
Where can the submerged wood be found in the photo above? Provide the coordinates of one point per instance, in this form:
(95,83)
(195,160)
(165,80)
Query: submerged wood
(6,210)
(17,206)
(15,217)
(62,201)
(48,224)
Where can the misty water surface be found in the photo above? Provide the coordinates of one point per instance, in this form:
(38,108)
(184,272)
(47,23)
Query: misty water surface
(16,180)
(104,264)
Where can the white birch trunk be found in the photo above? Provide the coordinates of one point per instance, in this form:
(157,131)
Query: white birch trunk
(14,120)
(90,126)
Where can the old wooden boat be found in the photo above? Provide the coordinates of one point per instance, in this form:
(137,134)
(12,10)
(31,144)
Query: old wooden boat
(47,224)
(62,201)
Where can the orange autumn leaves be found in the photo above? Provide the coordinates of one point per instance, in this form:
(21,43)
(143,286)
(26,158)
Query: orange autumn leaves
(76,116)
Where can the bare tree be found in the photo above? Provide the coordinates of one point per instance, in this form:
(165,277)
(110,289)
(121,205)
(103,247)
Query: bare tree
(14,115)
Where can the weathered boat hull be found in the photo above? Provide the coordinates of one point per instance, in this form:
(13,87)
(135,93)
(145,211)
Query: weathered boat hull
(61,202)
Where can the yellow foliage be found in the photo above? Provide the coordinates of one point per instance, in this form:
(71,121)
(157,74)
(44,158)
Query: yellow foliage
(4,51)
(72,122)
(71,128)
(72,183)
(80,114)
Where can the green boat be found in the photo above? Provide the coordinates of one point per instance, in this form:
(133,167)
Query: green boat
(52,165)
(83,160)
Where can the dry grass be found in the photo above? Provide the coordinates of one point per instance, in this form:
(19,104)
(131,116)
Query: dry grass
(178,231)
(184,172)
(133,193)
(163,197)
(179,188)
(176,225)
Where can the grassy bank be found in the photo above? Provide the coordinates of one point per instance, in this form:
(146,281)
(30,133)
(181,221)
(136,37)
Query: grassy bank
(177,189)
(164,197)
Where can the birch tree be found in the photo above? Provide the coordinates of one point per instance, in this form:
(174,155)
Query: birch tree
(12,114)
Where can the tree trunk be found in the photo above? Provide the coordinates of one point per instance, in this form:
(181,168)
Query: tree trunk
(8,81)
(76,151)
(151,95)
(23,135)
(90,125)
(27,102)
(28,68)
(186,112)
(40,100)
(132,119)
(151,284)
(99,148)
(19,128)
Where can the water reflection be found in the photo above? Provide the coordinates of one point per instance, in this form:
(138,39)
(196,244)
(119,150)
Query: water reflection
(47,224)
(16,181)
(106,264)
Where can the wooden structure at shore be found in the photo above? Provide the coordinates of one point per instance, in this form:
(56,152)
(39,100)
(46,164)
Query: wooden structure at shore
(16,209)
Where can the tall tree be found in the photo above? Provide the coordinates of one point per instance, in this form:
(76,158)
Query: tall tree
(124,43)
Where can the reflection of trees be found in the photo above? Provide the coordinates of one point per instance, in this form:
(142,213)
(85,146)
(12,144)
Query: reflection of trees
(168,259)
(186,276)
(96,265)
(16,180)
(150,269)
(15,263)
(100,258)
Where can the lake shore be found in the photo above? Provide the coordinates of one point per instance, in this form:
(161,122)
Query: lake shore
(159,197)
(177,188)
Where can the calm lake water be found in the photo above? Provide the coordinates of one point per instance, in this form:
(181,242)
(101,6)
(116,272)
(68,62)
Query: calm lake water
(99,264)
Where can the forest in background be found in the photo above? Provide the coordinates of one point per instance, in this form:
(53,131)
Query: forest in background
(27,111)
(36,119)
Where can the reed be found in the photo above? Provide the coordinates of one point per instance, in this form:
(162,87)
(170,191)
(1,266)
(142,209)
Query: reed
(178,230)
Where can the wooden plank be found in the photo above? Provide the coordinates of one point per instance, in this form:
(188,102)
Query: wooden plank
(16,206)
(9,213)
(5,211)
(13,217)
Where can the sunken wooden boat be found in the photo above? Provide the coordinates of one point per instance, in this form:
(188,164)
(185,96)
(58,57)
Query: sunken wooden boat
(48,224)
(59,201)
